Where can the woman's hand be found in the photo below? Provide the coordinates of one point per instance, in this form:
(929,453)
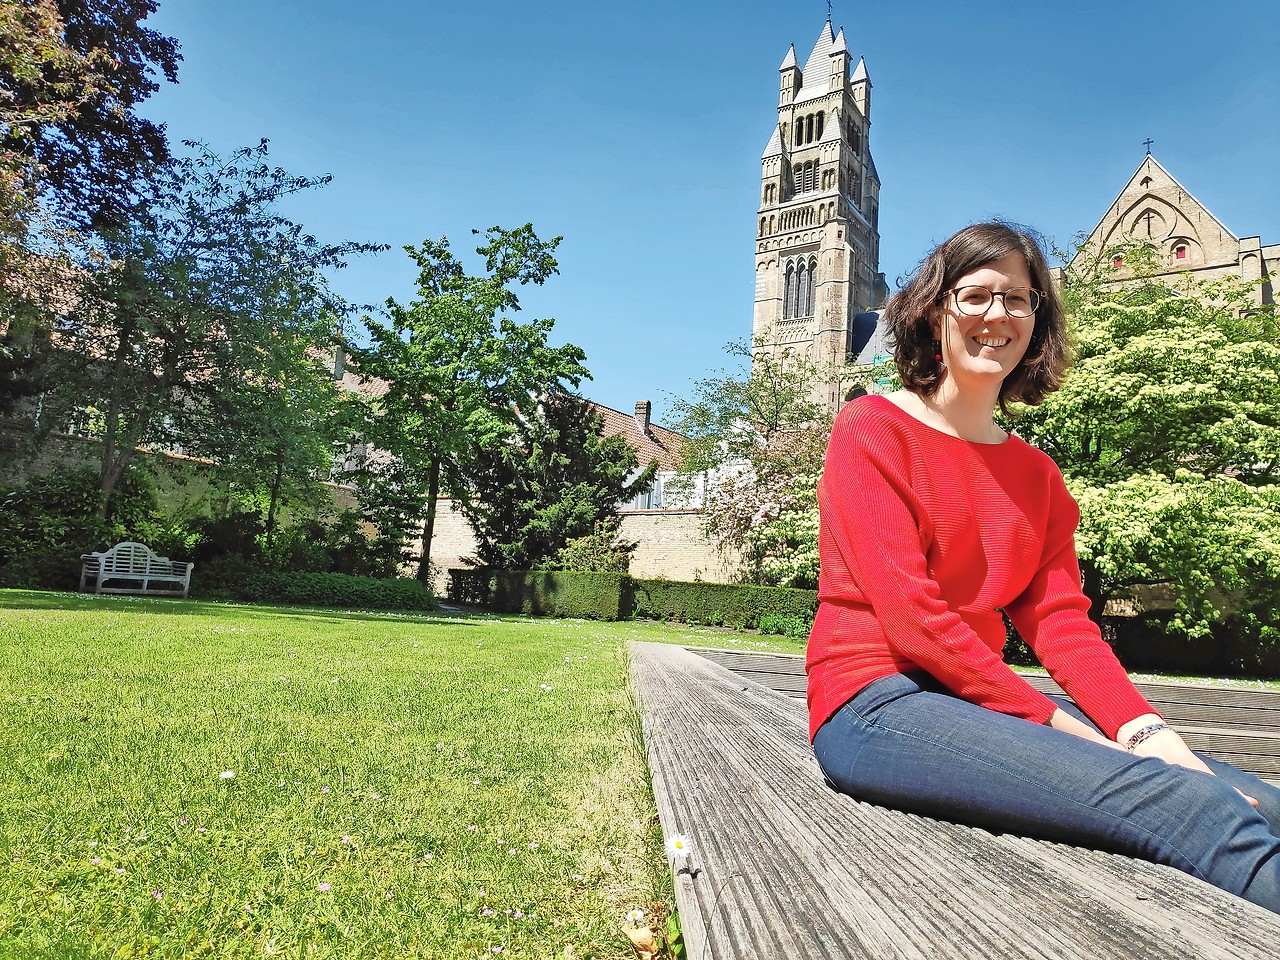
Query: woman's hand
(1165,744)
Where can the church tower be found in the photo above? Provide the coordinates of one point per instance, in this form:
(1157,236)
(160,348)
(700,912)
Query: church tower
(817,237)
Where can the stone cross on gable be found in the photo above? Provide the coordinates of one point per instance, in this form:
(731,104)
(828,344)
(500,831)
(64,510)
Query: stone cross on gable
(1148,142)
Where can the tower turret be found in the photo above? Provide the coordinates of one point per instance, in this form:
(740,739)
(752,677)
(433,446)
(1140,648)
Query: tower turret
(839,63)
(790,77)
(860,87)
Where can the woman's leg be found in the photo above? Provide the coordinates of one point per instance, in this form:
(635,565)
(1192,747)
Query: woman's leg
(1267,794)
(903,743)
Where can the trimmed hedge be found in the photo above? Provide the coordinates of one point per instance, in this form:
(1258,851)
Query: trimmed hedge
(311,589)
(561,593)
(617,596)
(738,606)
(1232,650)
(472,587)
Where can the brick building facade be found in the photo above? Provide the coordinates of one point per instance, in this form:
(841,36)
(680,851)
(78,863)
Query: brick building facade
(1154,208)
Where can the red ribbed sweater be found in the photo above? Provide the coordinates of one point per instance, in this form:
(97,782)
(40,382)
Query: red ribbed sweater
(923,536)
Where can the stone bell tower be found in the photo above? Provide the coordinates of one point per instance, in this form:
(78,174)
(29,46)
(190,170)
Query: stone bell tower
(817,236)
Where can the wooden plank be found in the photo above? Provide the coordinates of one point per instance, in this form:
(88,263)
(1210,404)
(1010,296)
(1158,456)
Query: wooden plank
(784,866)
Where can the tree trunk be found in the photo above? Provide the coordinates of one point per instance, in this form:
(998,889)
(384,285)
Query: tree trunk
(116,452)
(429,525)
(107,474)
(275,499)
(1093,589)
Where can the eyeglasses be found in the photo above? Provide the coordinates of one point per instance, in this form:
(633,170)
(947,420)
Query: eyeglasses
(976,301)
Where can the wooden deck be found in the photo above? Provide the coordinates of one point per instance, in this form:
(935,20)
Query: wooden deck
(1232,723)
(784,867)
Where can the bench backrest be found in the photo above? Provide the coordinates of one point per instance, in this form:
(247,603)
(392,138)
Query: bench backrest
(130,557)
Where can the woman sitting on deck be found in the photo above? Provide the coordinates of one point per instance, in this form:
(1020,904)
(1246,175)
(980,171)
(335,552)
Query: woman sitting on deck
(933,521)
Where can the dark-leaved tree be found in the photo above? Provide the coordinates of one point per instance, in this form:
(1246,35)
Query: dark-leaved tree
(71,74)
(554,481)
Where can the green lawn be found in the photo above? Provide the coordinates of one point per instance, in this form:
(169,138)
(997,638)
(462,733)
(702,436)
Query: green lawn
(188,779)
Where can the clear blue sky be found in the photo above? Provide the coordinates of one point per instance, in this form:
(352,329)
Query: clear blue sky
(635,131)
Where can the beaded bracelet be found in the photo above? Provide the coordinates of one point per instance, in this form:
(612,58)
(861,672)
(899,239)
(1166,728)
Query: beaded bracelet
(1147,731)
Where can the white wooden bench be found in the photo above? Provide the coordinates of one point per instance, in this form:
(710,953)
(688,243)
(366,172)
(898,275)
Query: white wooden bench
(783,866)
(133,568)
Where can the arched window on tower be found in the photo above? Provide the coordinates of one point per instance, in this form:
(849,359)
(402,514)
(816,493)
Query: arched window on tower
(821,117)
(789,293)
(802,290)
(810,298)
(798,139)
(808,128)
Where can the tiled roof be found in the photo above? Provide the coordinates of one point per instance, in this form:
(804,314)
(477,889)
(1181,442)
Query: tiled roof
(660,444)
(817,62)
(816,69)
(869,338)
(774,149)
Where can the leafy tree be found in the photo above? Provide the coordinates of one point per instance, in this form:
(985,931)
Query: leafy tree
(273,433)
(759,437)
(601,551)
(558,478)
(1168,432)
(457,369)
(71,74)
(208,295)
(763,405)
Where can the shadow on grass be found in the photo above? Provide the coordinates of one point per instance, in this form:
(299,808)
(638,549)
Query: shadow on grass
(178,607)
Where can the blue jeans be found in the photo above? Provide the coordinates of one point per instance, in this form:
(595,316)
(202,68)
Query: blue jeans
(905,742)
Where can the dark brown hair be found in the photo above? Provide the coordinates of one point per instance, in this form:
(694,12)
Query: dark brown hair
(910,313)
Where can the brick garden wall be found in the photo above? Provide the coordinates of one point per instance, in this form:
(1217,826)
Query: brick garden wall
(671,545)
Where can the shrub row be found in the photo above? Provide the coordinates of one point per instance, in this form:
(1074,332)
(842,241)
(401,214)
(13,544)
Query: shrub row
(589,596)
(617,596)
(1235,648)
(738,606)
(249,585)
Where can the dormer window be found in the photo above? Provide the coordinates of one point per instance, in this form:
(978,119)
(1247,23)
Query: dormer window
(1180,251)
(1117,262)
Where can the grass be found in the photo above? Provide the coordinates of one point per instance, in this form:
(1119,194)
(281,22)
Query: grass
(188,779)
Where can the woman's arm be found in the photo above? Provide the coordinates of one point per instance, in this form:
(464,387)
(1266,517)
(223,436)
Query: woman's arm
(1061,720)
(1052,616)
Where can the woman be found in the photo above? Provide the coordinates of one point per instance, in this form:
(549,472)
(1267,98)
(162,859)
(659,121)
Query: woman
(933,520)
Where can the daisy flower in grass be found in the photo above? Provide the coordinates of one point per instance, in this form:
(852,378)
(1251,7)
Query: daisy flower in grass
(679,848)
(636,915)
(229,775)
